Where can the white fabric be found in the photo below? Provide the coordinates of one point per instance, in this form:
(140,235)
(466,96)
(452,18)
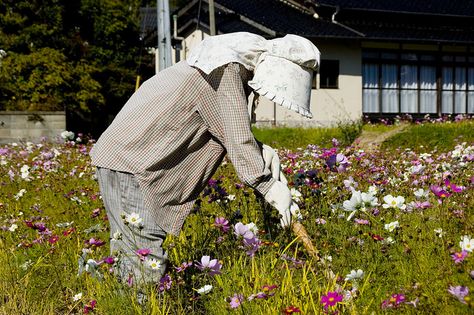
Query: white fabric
(279,196)
(284,83)
(272,163)
(283,67)
(216,51)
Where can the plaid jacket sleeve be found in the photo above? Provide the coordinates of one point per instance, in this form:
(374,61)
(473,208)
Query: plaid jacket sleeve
(225,111)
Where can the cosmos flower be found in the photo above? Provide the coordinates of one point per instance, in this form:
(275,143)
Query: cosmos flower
(331,299)
(133,219)
(392,226)
(354,275)
(394,202)
(466,243)
(222,224)
(153,264)
(394,301)
(460,292)
(235,300)
(205,289)
(459,257)
(242,230)
(211,266)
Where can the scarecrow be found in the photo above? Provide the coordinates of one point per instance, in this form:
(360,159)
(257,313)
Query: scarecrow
(167,141)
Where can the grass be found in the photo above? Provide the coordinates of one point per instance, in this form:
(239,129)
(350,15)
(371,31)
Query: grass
(60,211)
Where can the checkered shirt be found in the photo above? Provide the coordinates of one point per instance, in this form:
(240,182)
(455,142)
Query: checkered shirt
(174,132)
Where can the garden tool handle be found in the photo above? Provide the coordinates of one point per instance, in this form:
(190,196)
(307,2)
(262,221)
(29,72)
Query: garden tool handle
(302,234)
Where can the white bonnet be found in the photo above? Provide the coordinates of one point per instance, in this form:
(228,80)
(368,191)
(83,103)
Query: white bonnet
(283,67)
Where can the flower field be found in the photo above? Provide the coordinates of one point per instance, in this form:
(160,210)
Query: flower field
(394,229)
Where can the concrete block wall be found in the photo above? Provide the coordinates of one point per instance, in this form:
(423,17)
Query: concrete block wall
(17,126)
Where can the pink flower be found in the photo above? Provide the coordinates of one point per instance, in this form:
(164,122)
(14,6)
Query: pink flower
(143,252)
(89,306)
(460,292)
(236,300)
(222,224)
(331,299)
(459,257)
(394,301)
(209,265)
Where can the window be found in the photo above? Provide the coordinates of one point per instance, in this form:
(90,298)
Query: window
(417,83)
(329,74)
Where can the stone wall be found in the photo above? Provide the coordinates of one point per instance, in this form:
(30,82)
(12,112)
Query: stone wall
(30,126)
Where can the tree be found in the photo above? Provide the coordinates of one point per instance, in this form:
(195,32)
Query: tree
(80,56)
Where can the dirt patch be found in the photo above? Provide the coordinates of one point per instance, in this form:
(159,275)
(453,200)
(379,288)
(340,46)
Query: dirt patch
(371,140)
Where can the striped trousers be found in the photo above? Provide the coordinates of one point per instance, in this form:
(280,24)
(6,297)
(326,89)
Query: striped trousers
(122,197)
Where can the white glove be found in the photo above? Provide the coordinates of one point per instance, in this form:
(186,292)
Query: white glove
(272,162)
(279,196)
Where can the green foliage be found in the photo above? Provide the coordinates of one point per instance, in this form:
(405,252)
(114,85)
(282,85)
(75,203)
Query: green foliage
(292,138)
(432,136)
(75,55)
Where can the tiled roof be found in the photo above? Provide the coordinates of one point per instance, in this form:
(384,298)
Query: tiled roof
(284,19)
(400,20)
(437,7)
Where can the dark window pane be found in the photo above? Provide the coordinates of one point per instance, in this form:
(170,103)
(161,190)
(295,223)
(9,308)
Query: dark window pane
(329,74)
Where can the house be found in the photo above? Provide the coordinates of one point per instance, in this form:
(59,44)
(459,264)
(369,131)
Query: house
(378,58)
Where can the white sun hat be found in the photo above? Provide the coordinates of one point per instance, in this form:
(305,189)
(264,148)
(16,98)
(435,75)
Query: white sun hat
(284,72)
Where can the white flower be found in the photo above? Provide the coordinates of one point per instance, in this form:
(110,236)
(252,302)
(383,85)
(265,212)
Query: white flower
(27,264)
(420,193)
(67,135)
(392,226)
(387,241)
(295,194)
(355,275)
(252,228)
(230,197)
(77,297)
(359,201)
(394,202)
(117,236)
(205,289)
(467,243)
(373,190)
(439,232)
(133,219)
(13,228)
(153,264)
(25,172)
(20,194)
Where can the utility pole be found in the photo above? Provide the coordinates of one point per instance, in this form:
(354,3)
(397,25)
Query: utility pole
(212,19)
(164,35)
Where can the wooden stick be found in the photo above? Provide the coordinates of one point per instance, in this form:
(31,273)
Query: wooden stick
(301,232)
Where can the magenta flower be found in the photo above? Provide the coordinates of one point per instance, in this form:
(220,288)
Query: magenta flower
(165,283)
(95,242)
(142,253)
(453,187)
(185,265)
(459,257)
(109,260)
(89,306)
(394,301)
(212,266)
(222,224)
(439,191)
(236,300)
(460,292)
(252,245)
(331,299)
